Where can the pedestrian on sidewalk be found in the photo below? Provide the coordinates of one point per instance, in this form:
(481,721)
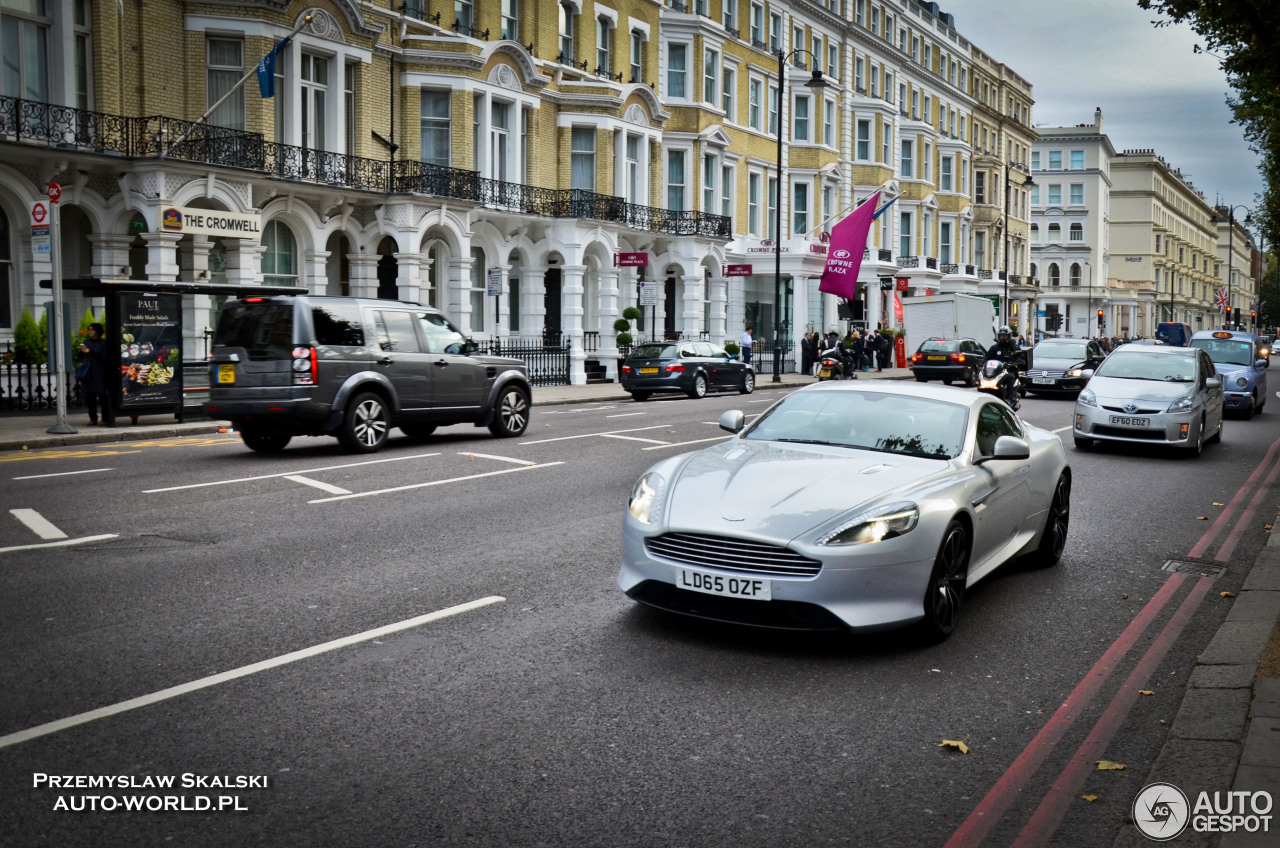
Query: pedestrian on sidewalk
(94,350)
(746,342)
(808,353)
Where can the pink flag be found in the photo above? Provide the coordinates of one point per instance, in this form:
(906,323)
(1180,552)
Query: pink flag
(844,255)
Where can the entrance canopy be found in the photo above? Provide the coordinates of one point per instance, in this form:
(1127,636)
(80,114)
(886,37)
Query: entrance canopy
(94,287)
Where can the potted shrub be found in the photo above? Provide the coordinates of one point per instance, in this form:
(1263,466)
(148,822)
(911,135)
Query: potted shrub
(28,340)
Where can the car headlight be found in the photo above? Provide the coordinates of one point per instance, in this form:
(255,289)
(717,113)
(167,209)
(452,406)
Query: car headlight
(883,522)
(1076,370)
(1242,381)
(644,503)
(1087,398)
(1185,404)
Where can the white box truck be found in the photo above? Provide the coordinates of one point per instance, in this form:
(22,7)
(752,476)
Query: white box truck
(948,316)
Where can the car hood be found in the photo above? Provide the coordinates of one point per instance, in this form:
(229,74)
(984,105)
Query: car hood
(1055,363)
(1119,388)
(782,490)
(1226,369)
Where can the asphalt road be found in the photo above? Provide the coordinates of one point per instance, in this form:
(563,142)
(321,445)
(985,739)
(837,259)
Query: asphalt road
(561,714)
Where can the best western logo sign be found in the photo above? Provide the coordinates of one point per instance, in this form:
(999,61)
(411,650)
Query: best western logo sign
(211,222)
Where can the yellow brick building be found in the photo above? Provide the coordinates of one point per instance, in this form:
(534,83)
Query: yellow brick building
(494,158)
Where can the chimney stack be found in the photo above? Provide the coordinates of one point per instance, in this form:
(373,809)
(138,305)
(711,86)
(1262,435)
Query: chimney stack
(1097,118)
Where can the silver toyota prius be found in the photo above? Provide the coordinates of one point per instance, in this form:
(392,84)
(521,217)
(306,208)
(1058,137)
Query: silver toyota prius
(865,506)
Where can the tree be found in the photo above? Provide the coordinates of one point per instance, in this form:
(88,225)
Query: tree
(28,340)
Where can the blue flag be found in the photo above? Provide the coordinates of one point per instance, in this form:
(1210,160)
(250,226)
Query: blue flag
(267,70)
(879,211)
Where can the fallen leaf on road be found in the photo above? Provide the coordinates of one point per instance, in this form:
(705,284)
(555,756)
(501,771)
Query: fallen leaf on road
(1107,765)
(1226,594)
(1090,798)
(1266,528)
(1145,692)
(1124,597)
(1215,503)
(1202,518)
(952,743)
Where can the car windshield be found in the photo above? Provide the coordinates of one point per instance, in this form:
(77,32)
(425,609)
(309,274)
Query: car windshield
(939,346)
(1227,351)
(654,351)
(1137,365)
(876,421)
(1062,350)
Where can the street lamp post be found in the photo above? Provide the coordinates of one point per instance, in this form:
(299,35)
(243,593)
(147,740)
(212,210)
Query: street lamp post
(1231,231)
(816,82)
(1004,308)
(1088,315)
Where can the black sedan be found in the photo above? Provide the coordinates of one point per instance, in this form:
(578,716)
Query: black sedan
(693,368)
(1058,366)
(948,360)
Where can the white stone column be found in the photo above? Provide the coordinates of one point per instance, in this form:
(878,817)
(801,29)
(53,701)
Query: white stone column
(408,277)
(691,317)
(533,307)
(244,264)
(315,271)
(502,310)
(874,297)
(718,294)
(364,275)
(610,311)
(162,257)
(455,300)
(194,260)
(571,290)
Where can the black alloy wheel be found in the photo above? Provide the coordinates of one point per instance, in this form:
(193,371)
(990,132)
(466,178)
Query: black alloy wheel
(699,387)
(945,592)
(748,382)
(264,441)
(511,418)
(365,424)
(1053,541)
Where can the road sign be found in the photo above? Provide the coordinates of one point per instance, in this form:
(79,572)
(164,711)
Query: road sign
(39,213)
(649,294)
(55,192)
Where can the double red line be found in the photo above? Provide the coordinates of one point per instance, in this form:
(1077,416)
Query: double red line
(1049,814)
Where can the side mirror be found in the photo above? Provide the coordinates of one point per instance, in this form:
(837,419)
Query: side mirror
(1009,447)
(1213,383)
(732,420)
(469,347)
(1260,363)
(1087,373)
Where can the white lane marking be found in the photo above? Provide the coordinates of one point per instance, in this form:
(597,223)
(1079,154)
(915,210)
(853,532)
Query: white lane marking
(307,481)
(589,435)
(236,673)
(626,414)
(580,409)
(694,442)
(37,524)
(499,458)
(287,473)
(635,439)
(766,400)
(434,483)
(64,473)
(1061,429)
(62,544)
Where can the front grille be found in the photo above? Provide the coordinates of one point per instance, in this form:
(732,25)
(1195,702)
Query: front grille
(732,554)
(1125,433)
(1057,375)
(783,615)
(1134,412)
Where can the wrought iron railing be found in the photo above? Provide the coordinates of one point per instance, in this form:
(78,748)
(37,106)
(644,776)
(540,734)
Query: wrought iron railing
(931,262)
(466,29)
(908,261)
(886,255)
(950,268)
(984,275)
(546,359)
(760,45)
(1015,279)
(733,32)
(971,270)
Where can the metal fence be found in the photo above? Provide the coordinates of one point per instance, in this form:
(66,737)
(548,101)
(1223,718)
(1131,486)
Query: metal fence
(547,360)
(34,388)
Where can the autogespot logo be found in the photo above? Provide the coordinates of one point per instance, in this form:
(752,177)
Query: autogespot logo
(1161,811)
(840,254)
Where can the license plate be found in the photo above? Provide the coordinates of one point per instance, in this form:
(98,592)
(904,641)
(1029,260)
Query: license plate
(750,588)
(648,370)
(226,373)
(1043,381)
(1130,422)
(825,372)
(936,358)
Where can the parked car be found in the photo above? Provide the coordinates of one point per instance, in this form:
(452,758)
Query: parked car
(1238,358)
(693,368)
(948,360)
(1158,395)
(352,368)
(765,529)
(1173,333)
(1061,365)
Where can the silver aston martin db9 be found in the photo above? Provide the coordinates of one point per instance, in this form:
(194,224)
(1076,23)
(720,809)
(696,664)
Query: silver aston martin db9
(865,506)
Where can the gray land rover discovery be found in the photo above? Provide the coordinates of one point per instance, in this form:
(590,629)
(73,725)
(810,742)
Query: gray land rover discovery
(295,365)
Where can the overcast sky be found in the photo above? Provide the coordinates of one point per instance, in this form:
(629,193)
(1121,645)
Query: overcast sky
(1153,90)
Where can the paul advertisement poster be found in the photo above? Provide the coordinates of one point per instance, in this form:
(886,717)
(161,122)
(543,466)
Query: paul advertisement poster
(150,353)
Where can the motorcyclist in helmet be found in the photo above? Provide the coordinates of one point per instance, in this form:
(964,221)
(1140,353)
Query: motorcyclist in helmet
(1006,350)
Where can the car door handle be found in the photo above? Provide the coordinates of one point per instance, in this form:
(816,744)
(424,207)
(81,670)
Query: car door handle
(386,360)
(441,363)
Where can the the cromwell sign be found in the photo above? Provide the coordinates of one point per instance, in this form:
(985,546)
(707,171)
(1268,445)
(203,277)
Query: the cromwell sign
(210,222)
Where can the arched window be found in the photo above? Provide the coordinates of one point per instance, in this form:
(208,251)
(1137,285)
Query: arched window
(1054,276)
(438,275)
(477,289)
(1075,274)
(280,259)
(1055,234)
(1076,232)
(1035,273)
(6,274)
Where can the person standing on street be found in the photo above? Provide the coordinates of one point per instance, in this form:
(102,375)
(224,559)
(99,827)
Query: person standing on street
(95,384)
(747,340)
(808,353)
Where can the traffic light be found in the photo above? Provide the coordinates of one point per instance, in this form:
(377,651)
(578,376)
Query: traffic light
(1253,317)
(1101,320)
(1057,321)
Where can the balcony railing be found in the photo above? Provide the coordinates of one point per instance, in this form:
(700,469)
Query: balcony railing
(971,270)
(759,45)
(467,29)
(44,124)
(908,261)
(931,262)
(886,255)
(950,268)
(984,275)
(1015,279)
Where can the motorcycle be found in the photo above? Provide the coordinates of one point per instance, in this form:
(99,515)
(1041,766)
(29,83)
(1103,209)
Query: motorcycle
(1000,378)
(830,366)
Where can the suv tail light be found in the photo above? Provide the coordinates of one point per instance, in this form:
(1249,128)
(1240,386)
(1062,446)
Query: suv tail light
(626,369)
(916,357)
(956,357)
(304,366)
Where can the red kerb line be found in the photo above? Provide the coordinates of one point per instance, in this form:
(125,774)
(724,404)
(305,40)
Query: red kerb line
(1048,816)
(1212,532)
(1001,796)
(1237,532)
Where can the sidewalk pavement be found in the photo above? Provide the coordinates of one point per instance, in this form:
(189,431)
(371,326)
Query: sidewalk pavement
(1226,735)
(29,431)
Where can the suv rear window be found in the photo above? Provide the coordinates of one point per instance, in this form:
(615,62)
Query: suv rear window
(939,346)
(338,324)
(264,330)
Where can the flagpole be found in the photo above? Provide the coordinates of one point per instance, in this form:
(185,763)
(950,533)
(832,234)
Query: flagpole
(306,19)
